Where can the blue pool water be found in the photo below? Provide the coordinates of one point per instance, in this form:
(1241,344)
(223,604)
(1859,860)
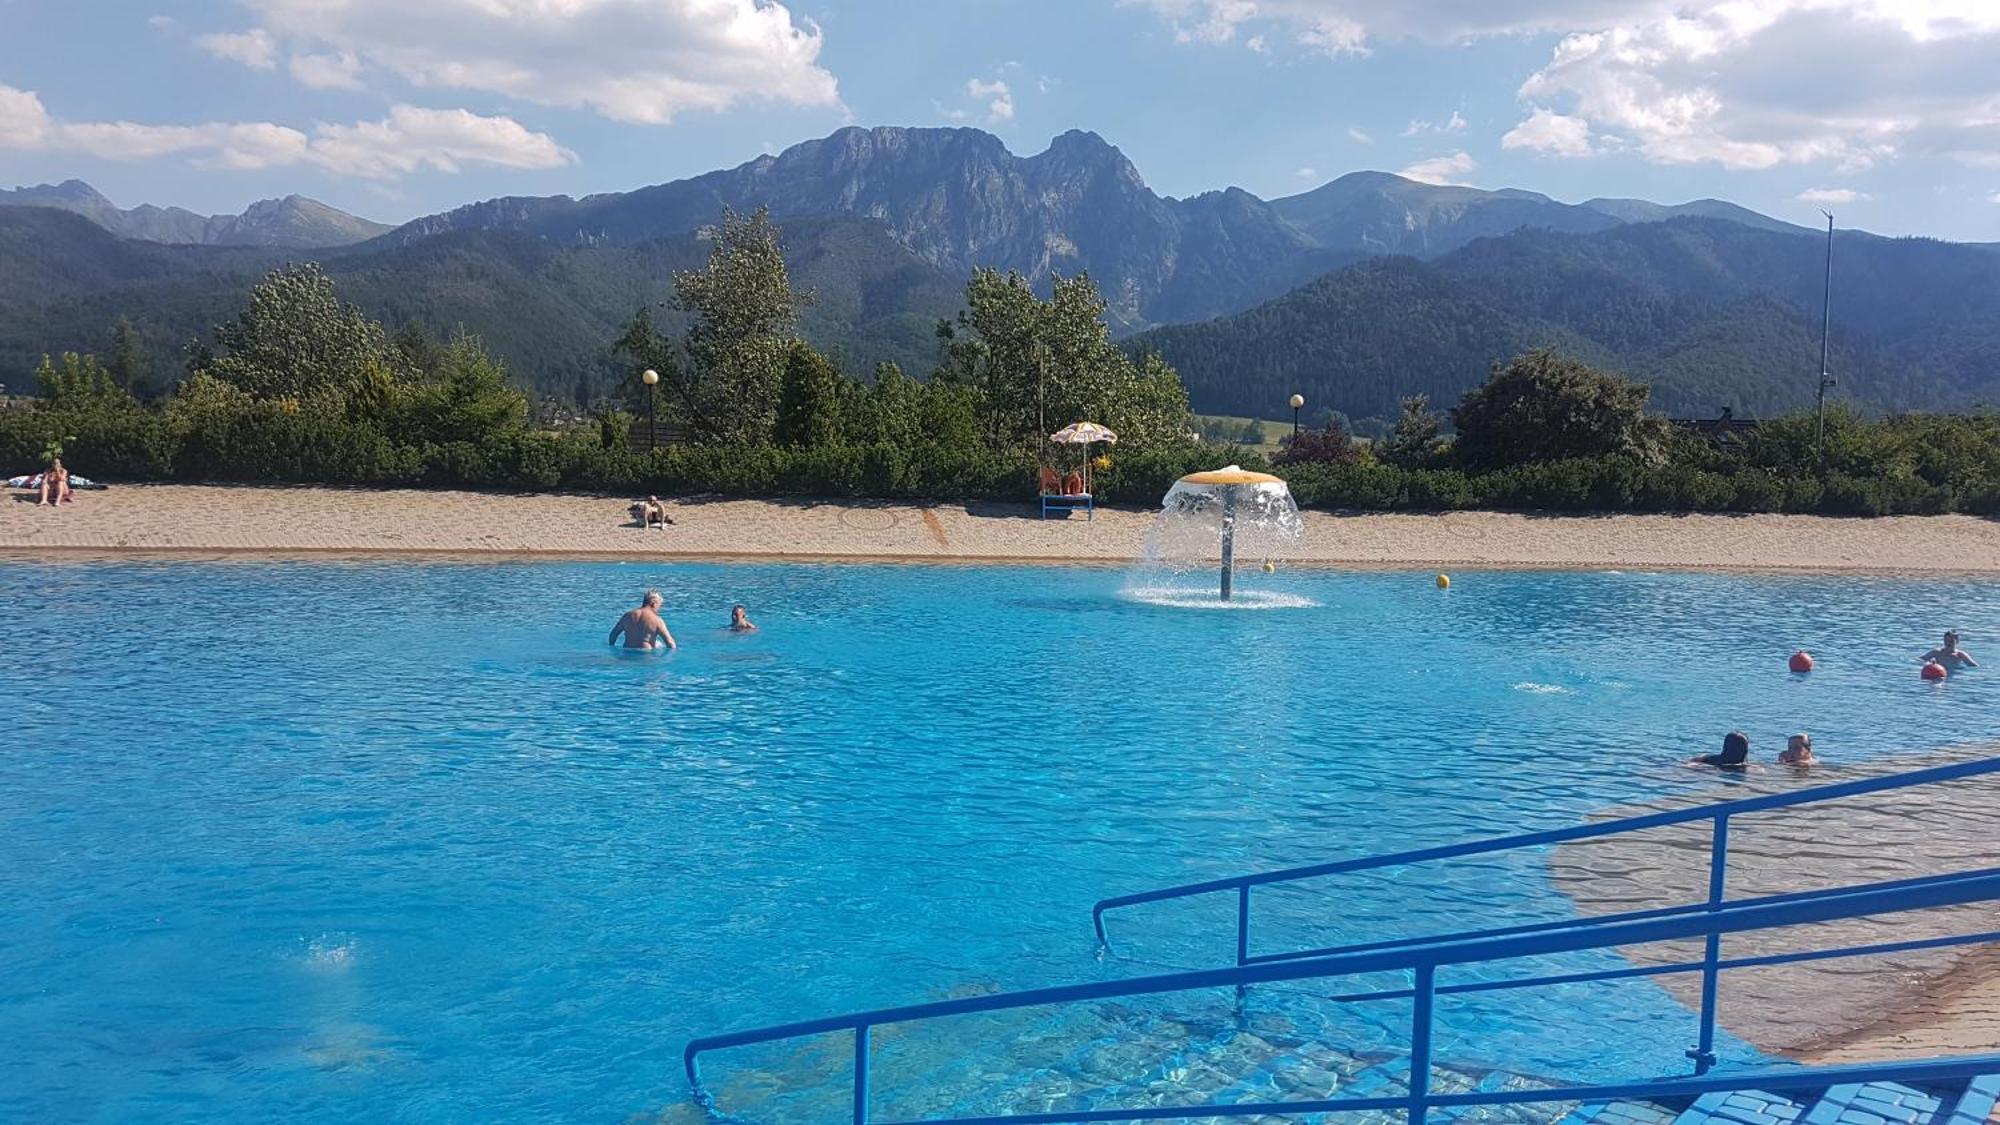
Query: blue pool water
(369,841)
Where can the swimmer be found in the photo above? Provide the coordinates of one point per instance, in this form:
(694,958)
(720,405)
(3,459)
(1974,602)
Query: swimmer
(640,626)
(1949,654)
(1735,753)
(739,620)
(1798,751)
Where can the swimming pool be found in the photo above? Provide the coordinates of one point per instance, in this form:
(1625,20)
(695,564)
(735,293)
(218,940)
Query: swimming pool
(336,841)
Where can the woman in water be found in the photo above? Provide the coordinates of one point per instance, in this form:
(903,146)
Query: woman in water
(1735,753)
(739,620)
(1798,751)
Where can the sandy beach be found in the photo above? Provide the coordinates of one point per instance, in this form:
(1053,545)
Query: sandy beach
(223,519)
(1883,1006)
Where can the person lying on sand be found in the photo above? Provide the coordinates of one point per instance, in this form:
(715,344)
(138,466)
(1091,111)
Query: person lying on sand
(641,626)
(739,620)
(1735,753)
(55,486)
(650,512)
(1797,751)
(1949,654)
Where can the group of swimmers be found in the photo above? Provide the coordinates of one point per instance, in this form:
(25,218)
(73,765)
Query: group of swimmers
(644,628)
(1735,754)
(1798,749)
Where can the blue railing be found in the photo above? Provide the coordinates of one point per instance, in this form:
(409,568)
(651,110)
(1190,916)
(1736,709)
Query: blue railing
(1423,961)
(1720,814)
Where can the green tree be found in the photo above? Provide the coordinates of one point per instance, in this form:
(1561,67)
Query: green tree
(78,382)
(745,316)
(469,398)
(128,357)
(812,402)
(1544,406)
(1414,443)
(1252,432)
(1042,364)
(296,340)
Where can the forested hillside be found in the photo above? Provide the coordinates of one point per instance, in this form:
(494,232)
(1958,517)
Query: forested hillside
(1714,314)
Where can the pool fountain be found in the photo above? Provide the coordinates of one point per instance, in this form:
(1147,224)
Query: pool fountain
(1231,511)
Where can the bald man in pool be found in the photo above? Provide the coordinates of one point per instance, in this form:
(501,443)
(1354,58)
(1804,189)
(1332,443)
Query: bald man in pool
(640,626)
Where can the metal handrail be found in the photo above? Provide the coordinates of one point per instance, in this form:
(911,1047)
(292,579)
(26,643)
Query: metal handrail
(1422,961)
(1719,814)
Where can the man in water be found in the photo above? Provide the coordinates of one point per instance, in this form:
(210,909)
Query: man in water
(640,626)
(739,620)
(1949,654)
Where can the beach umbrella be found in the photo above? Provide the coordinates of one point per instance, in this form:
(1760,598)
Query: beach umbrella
(1084,433)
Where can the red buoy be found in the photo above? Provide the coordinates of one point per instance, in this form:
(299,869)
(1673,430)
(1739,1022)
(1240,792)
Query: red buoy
(1935,671)
(1802,661)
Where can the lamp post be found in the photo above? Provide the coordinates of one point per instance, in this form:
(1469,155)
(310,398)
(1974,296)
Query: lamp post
(1298,404)
(651,378)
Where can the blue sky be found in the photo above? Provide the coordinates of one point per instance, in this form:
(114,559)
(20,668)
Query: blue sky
(1887,111)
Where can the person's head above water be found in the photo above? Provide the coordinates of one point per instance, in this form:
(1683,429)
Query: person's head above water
(1735,747)
(652,599)
(1950,639)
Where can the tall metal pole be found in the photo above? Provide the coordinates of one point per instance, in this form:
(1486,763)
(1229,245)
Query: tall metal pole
(1228,538)
(652,417)
(1825,334)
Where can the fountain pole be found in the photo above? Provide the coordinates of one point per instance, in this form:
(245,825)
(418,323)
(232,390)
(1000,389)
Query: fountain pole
(1228,538)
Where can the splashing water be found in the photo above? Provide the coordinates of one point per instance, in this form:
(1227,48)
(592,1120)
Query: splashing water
(1213,536)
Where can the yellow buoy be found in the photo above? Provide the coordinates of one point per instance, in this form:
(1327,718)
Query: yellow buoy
(1444,581)
(1270,567)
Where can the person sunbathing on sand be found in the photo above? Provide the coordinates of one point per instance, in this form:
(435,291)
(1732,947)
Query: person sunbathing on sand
(640,626)
(739,620)
(1735,753)
(650,512)
(55,485)
(1949,654)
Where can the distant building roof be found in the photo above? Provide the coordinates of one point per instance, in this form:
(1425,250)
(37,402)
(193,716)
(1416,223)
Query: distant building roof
(1726,431)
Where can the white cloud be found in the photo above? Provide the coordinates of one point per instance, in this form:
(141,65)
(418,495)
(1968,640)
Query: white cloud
(1546,131)
(644,61)
(1832,195)
(408,140)
(1335,36)
(999,100)
(255,49)
(950,113)
(1359,137)
(1994,198)
(1306,173)
(1257,44)
(411,138)
(1448,169)
(1743,84)
(327,72)
(1455,124)
(1345,27)
(1749,84)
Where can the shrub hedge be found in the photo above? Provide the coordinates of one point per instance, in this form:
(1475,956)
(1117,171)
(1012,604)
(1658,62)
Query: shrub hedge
(1922,466)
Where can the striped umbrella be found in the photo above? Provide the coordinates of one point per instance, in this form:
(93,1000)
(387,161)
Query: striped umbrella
(1084,433)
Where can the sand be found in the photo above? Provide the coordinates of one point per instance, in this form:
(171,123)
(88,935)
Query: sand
(221,519)
(1884,1006)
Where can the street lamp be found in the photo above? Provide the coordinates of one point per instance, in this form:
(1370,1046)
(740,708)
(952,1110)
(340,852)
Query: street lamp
(1298,404)
(651,378)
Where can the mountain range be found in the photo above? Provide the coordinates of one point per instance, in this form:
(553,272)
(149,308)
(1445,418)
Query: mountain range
(294,222)
(1363,289)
